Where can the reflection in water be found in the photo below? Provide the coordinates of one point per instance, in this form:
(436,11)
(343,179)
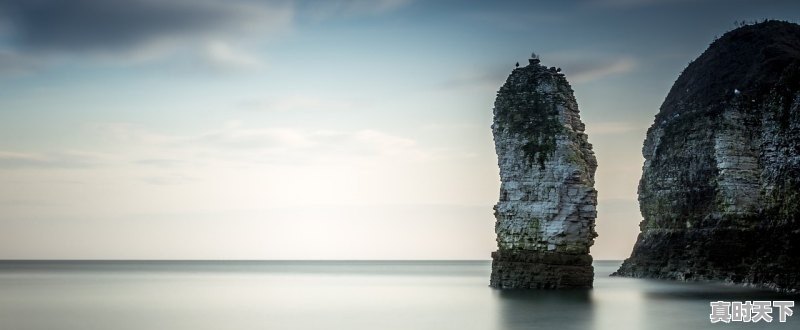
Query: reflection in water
(545,309)
(341,295)
(626,303)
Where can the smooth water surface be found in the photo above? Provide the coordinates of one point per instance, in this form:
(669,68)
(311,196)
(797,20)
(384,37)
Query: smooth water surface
(199,295)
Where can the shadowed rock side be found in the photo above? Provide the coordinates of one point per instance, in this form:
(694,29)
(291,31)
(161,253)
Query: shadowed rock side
(720,188)
(545,215)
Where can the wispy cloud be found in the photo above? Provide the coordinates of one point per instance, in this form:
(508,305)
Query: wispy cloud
(371,6)
(161,162)
(632,3)
(139,29)
(119,25)
(13,63)
(296,102)
(329,9)
(515,18)
(582,67)
(168,179)
(236,142)
(219,35)
(223,56)
(167,159)
(64,159)
(599,70)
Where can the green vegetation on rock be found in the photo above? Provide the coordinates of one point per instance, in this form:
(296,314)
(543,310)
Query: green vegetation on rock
(534,116)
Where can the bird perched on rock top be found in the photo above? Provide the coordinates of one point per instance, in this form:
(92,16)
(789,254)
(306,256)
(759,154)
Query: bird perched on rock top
(516,66)
(558,69)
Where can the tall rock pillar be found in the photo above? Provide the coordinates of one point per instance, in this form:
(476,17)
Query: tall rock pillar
(546,211)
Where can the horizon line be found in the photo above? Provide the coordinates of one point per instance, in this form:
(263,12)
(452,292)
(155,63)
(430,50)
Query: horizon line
(249,260)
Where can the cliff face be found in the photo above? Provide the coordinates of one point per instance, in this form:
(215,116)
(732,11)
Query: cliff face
(720,188)
(545,215)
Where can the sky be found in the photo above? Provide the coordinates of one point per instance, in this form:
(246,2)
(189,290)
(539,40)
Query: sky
(353,129)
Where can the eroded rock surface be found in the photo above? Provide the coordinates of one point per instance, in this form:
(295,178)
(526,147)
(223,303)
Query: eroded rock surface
(720,189)
(546,211)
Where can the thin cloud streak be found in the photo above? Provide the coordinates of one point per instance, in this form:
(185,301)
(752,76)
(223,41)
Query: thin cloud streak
(582,67)
(330,9)
(296,102)
(122,32)
(118,26)
(51,160)
(578,67)
(13,64)
(616,67)
(624,4)
(222,56)
(273,145)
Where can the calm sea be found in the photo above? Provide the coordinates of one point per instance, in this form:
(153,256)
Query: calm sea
(194,295)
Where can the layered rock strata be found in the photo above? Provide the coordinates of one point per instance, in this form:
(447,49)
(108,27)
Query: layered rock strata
(720,188)
(546,210)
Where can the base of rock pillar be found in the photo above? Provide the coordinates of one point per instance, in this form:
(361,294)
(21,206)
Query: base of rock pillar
(541,270)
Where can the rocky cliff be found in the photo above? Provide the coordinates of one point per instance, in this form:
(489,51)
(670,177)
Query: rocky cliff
(546,211)
(720,188)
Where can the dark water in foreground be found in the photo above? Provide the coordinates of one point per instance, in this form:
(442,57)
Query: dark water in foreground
(343,295)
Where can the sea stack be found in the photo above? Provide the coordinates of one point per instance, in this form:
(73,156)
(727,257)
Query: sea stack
(546,210)
(720,188)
